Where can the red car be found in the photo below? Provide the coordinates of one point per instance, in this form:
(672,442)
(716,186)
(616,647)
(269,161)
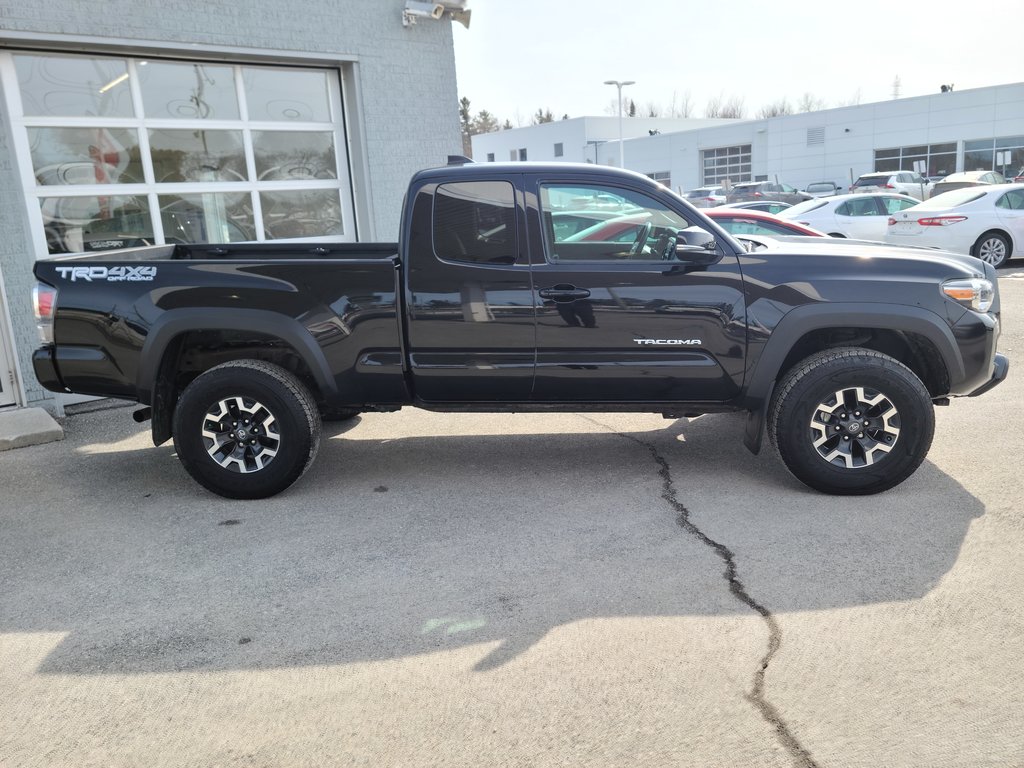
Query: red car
(736,221)
(741,221)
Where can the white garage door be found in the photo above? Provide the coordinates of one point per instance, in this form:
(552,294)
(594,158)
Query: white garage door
(117,152)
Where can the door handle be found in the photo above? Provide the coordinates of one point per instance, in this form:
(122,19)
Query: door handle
(563,293)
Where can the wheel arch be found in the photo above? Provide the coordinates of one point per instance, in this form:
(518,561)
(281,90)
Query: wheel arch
(278,339)
(917,337)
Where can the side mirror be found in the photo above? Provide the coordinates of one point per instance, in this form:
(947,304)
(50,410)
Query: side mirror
(696,246)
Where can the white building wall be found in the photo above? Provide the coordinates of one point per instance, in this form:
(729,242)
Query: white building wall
(575,135)
(852,134)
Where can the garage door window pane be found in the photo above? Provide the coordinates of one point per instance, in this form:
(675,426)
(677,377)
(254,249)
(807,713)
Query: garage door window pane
(85,156)
(294,155)
(301,213)
(188,91)
(187,156)
(75,224)
(295,96)
(73,86)
(207,218)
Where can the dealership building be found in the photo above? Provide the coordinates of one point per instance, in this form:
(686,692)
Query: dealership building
(937,134)
(129,124)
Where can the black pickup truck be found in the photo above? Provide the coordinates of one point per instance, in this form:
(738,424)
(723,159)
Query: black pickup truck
(527,287)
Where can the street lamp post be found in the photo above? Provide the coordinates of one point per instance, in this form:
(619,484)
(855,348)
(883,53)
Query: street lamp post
(619,84)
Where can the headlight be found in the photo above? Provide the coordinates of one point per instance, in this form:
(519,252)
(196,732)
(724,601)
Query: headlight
(974,293)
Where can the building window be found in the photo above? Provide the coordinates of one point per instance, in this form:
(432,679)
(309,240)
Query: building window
(662,177)
(559,150)
(513,154)
(522,154)
(984,155)
(490,157)
(132,151)
(928,160)
(732,163)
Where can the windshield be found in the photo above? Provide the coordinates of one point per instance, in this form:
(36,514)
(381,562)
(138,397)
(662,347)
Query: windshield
(952,199)
(871,181)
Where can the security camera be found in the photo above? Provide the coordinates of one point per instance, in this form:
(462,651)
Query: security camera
(451,9)
(417,10)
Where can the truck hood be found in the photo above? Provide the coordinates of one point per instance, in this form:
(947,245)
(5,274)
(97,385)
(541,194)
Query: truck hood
(945,262)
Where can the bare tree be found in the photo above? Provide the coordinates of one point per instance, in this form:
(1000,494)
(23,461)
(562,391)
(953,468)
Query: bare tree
(652,110)
(713,107)
(733,107)
(775,109)
(681,106)
(810,103)
(853,101)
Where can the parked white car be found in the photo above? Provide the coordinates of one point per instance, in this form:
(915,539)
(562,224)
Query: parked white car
(861,217)
(706,197)
(987,222)
(901,182)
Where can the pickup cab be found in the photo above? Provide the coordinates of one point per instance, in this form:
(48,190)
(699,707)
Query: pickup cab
(527,287)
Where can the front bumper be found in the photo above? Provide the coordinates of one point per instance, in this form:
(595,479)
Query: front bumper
(1000,367)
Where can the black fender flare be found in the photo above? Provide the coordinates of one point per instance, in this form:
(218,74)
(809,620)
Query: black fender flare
(177,321)
(800,321)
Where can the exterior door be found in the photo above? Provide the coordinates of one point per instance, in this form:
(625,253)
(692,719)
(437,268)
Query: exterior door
(469,296)
(619,319)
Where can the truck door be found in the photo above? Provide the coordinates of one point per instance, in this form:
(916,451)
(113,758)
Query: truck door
(619,317)
(471,335)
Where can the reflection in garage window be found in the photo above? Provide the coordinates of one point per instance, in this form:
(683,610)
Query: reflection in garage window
(85,156)
(201,155)
(272,166)
(87,223)
(301,213)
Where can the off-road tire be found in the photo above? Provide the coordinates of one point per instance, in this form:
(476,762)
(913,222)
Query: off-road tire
(282,394)
(813,383)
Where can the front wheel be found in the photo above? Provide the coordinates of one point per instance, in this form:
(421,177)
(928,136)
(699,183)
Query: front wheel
(246,429)
(851,421)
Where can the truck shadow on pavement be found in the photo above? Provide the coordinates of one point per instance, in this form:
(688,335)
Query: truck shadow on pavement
(412,545)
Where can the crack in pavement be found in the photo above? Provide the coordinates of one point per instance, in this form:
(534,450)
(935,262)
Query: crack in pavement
(757,696)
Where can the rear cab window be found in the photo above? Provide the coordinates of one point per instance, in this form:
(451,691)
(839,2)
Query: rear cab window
(475,222)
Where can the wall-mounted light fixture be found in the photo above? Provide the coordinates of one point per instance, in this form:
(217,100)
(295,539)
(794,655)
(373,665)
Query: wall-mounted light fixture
(454,10)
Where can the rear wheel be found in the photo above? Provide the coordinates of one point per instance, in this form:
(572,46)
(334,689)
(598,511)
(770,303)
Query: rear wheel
(246,429)
(851,421)
(992,248)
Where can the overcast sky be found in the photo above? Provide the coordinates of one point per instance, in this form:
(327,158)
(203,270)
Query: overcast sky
(519,55)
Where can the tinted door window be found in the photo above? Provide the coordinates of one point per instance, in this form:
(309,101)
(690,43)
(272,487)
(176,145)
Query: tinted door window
(1012,200)
(859,206)
(475,222)
(894,204)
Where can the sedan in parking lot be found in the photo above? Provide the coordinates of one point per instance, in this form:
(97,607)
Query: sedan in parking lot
(768,206)
(705,197)
(987,222)
(861,217)
(765,190)
(823,189)
(967,179)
